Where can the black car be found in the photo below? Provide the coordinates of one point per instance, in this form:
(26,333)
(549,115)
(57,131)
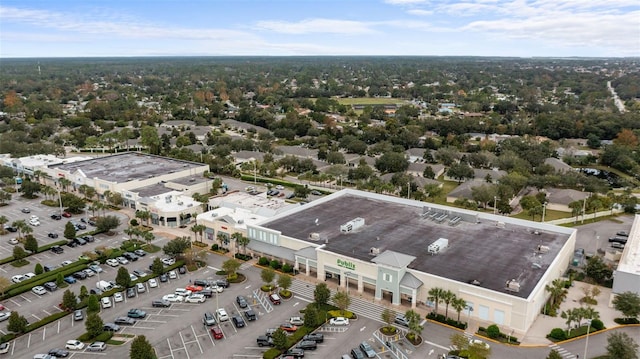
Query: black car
(250,315)
(124,321)
(89,238)
(160,303)
(131,292)
(59,353)
(295,352)
(72,244)
(316,337)
(356,353)
(111,327)
(163,278)
(241,301)
(621,240)
(182,270)
(238,321)
(307,345)
(91,222)
(201,282)
(208,293)
(57,217)
(52,235)
(57,249)
(80,241)
(130,256)
(10,228)
(80,275)
(222,283)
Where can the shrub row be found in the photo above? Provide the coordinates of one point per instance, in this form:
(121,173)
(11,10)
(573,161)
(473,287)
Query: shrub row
(442,319)
(51,276)
(502,337)
(559,334)
(626,321)
(275,264)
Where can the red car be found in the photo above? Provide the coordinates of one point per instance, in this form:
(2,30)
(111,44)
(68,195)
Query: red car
(193,288)
(288,327)
(217,333)
(66,214)
(275,299)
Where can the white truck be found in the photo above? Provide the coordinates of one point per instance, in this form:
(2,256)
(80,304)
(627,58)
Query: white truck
(104,285)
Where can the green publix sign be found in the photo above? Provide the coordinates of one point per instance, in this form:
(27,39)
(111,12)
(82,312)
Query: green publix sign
(346,264)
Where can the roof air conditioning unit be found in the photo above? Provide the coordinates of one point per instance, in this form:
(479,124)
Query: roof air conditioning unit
(314,236)
(374,251)
(513,286)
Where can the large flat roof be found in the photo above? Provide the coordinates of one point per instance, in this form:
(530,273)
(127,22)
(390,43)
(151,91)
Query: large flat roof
(481,249)
(130,166)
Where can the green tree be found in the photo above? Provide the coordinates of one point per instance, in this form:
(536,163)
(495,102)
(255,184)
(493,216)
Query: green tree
(30,189)
(280,339)
(458,304)
(94,325)
(84,293)
(597,269)
(93,304)
(141,348)
(619,345)
(493,331)
(230,266)
(177,246)
(413,319)
(38,269)
(387,317)
(447,297)
(4,284)
(301,191)
(69,300)
(460,171)
(391,162)
(59,279)
(628,303)
(342,301)
(310,316)
(284,282)
(31,244)
(554,354)
(123,278)
(157,267)
(268,275)
(107,223)
(435,296)
(17,323)
(19,253)
(69,231)
(321,294)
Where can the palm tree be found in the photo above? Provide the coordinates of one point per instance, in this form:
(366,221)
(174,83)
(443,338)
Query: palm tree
(27,230)
(144,215)
(194,229)
(458,304)
(148,236)
(64,183)
(3,221)
(20,225)
(435,294)
(556,290)
(221,238)
(447,297)
(130,231)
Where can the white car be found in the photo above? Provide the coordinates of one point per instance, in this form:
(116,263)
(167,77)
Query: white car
(168,261)
(173,298)
(89,272)
(4,316)
(216,288)
(339,321)
(122,260)
(118,297)
(280,187)
(133,277)
(29,275)
(296,321)
(222,315)
(74,345)
(153,283)
(13,241)
(66,263)
(173,275)
(140,288)
(4,348)
(479,343)
(106,302)
(39,290)
(18,278)
(34,222)
(96,268)
(183,292)
(195,298)
(113,262)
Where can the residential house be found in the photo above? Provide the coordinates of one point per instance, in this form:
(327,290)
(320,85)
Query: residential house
(558,165)
(559,199)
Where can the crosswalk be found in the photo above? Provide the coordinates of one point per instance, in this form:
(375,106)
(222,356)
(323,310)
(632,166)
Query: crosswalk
(563,352)
(361,307)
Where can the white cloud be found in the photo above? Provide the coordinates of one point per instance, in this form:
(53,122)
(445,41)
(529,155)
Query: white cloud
(420,12)
(405,2)
(309,26)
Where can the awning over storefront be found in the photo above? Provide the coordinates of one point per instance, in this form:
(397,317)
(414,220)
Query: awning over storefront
(269,249)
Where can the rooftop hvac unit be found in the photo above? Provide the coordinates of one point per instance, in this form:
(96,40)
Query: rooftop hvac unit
(438,246)
(352,225)
(180,203)
(513,286)
(314,236)
(543,249)
(374,251)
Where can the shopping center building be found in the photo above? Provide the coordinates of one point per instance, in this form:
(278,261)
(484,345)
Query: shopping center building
(398,249)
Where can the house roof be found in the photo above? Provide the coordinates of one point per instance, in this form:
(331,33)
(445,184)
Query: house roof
(298,151)
(565,196)
(464,190)
(557,164)
(482,173)
(416,152)
(410,281)
(417,167)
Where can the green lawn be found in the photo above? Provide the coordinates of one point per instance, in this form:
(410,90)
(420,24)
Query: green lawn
(548,216)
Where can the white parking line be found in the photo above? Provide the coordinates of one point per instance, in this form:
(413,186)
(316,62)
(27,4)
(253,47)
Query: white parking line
(46,312)
(35,316)
(2,269)
(59,326)
(184,346)
(29,341)
(14,302)
(25,298)
(197,341)
(44,333)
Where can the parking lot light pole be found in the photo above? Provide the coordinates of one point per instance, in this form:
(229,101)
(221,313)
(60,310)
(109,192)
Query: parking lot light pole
(59,199)
(586,343)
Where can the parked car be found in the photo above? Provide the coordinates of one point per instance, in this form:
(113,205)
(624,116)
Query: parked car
(222,283)
(52,235)
(356,353)
(4,348)
(131,292)
(66,263)
(160,303)
(621,240)
(39,290)
(80,275)
(56,216)
(222,315)
(57,249)
(153,283)
(479,343)
(34,222)
(275,299)
(163,278)
(118,297)
(263,340)
(242,302)
(74,345)
(173,275)
(288,327)
(25,210)
(70,280)
(182,270)
(106,302)
(401,320)
(78,315)
(136,313)
(183,292)
(111,327)
(238,321)
(250,315)
(339,321)
(168,261)
(113,262)
(216,332)
(140,253)
(307,345)
(50,286)
(97,347)
(122,260)
(10,228)
(367,349)
(195,298)
(316,337)
(124,321)
(130,256)
(622,234)
(208,319)
(295,353)
(173,298)
(13,241)
(140,288)
(4,316)
(296,321)
(96,268)
(59,353)
(66,214)
(193,288)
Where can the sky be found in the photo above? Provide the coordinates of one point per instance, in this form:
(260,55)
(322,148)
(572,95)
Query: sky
(520,28)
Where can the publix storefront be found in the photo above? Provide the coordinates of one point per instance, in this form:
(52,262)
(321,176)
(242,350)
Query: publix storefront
(386,276)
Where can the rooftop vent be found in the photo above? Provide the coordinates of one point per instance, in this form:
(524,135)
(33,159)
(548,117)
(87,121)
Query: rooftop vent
(475,282)
(314,236)
(513,286)
(543,249)
(374,251)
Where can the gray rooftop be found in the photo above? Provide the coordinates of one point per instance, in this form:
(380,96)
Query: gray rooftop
(479,252)
(130,166)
